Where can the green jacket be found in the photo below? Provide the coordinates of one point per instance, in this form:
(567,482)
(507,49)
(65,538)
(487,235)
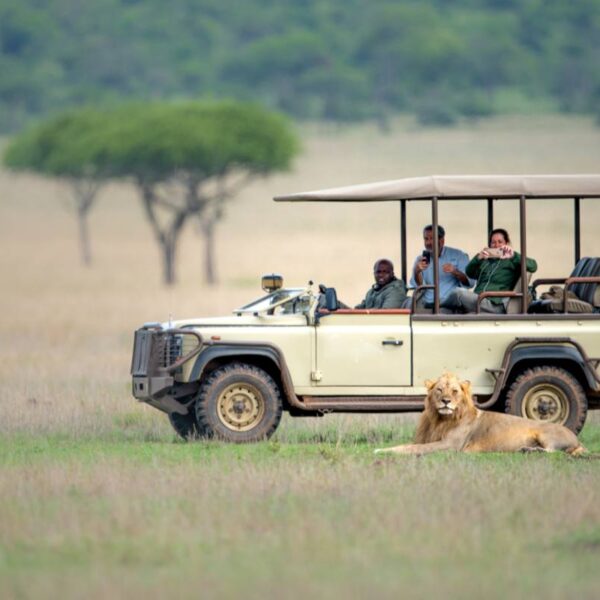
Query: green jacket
(391,295)
(497,274)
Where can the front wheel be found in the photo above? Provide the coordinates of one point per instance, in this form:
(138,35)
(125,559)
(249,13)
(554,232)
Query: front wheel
(239,403)
(548,394)
(185,425)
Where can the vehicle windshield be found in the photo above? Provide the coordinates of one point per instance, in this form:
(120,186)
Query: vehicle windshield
(285,301)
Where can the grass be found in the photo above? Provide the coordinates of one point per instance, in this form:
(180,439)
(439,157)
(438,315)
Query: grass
(99,498)
(291,518)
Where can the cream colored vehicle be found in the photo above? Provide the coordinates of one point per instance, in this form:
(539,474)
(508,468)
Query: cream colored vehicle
(293,350)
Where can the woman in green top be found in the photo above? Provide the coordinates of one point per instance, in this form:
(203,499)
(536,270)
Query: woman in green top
(497,269)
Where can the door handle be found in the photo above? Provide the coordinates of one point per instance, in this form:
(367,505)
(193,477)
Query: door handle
(392,342)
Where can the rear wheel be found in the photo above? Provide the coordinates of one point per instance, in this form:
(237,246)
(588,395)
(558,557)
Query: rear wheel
(239,403)
(548,394)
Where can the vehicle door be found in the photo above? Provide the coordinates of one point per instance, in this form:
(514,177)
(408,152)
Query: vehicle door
(368,348)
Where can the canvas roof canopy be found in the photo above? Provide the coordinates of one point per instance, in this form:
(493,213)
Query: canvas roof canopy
(459,187)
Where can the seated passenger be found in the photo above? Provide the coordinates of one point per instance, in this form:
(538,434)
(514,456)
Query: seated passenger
(452,265)
(387,291)
(497,269)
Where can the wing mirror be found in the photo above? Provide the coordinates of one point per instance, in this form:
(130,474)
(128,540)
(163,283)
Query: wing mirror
(331,302)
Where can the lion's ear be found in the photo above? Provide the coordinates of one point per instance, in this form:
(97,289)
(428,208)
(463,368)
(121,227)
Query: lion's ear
(429,384)
(466,387)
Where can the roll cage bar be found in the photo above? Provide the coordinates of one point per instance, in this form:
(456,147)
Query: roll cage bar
(466,187)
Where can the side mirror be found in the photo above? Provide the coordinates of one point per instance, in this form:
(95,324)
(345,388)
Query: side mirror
(331,303)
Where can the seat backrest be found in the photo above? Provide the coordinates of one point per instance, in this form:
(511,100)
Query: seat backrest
(513,306)
(588,292)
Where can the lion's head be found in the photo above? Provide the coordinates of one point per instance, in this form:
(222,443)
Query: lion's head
(448,402)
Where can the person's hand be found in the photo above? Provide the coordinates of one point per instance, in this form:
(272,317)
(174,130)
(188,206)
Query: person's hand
(484,254)
(449,268)
(507,251)
(421,265)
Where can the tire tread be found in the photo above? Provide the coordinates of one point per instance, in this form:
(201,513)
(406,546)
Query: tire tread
(576,418)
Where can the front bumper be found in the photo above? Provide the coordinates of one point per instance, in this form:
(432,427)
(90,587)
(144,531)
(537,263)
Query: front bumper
(147,388)
(157,355)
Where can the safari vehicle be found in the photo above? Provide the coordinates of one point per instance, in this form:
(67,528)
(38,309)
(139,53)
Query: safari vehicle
(293,350)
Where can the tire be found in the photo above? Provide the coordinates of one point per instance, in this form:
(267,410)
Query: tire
(185,425)
(550,395)
(239,403)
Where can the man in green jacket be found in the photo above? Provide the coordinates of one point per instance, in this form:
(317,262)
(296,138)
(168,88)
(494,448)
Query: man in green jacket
(387,291)
(497,269)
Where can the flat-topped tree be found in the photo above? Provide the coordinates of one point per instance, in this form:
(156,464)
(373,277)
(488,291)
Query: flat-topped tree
(189,159)
(66,147)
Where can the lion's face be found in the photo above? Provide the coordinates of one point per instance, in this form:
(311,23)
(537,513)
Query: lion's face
(448,396)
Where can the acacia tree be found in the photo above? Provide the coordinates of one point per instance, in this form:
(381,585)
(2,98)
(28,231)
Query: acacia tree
(66,147)
(189,159)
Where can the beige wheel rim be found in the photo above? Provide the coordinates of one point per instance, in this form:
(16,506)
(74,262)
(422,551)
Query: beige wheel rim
(546,402)
(240,407)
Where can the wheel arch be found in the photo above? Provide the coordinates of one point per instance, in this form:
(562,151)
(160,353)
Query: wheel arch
(264,356)
(524,353)
(564,357)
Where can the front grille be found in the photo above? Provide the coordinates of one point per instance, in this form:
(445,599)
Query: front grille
(172,349)
(154,350)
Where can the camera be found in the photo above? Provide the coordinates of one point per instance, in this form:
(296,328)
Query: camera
(495,252)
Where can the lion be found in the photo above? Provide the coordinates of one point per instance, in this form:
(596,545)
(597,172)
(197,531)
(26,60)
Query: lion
(451,421)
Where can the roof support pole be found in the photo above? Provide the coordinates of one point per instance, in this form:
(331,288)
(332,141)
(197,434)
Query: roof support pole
(576,202)
(490,216)
(436,256)
(523,232)
(403,240)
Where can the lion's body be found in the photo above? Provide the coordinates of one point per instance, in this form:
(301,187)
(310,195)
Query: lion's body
(451,421)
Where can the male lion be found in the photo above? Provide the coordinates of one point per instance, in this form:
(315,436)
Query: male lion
(451,421)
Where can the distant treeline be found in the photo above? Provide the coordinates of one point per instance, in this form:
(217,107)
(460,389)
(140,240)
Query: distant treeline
(339,60)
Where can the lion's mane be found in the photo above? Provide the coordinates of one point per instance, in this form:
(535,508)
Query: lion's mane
(434,427)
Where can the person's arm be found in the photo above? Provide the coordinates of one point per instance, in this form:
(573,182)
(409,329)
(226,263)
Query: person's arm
(463,261)
(473,268)
(395,295)
(457,271)
(531,263)
(417,273)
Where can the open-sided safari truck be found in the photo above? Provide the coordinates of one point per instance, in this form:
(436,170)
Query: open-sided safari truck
(293,350)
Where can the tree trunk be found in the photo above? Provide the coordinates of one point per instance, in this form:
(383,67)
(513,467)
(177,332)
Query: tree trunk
(208,230)
(168,248)
(84,235)
(167,235)
(84,193)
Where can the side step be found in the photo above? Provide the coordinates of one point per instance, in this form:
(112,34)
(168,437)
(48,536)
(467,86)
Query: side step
(363,403)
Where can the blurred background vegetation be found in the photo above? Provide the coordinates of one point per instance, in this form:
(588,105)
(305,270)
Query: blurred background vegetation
(336,60)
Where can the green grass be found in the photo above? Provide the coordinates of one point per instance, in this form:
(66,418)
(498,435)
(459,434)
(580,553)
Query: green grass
(311,512)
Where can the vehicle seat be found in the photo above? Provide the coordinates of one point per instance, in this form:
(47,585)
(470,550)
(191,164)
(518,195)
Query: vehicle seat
(583,297)
(588,292)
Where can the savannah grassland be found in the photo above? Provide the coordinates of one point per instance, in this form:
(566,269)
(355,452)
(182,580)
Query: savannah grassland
(97,496)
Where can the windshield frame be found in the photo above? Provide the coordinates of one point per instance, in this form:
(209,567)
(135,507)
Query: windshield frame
(268,303)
